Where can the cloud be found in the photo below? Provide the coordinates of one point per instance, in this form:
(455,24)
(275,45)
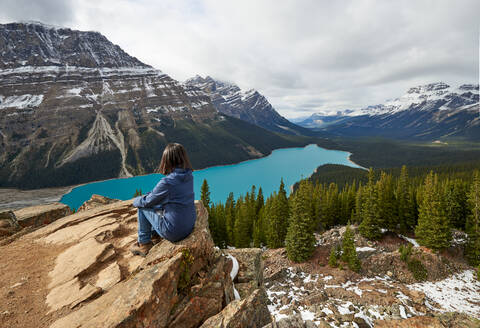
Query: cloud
(305,56)
(48,11)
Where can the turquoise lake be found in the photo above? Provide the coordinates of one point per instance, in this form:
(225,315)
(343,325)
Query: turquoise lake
(291,164)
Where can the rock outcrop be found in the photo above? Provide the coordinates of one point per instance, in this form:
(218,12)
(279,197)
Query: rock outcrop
(41,214)
(250,274)
(8,223)
(96,201)
(250,312)
(94,281)
(12,222)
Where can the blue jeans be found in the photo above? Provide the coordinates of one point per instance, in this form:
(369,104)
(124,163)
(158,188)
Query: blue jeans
(148,220)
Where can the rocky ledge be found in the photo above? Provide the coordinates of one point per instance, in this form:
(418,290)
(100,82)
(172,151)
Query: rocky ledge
(91,279)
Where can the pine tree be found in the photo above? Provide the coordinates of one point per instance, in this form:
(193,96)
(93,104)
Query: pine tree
(369,228)
(243,226)
(359,200)
(473,222)
(402,198)
(205,194)
(349,254)
(283,209)
(230,219)
(260,201)
(221,229)
(259,230)
(433,229)
(332,260)
(386,202)
(455,202)
(300,241)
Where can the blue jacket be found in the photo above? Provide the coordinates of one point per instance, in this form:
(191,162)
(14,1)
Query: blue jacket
(174,196)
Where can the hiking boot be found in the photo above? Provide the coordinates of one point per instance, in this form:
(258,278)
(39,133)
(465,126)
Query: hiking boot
(156,238)
(141,249)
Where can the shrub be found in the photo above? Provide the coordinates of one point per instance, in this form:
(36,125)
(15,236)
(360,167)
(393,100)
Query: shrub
(417,269)
(332,261)
(405,252)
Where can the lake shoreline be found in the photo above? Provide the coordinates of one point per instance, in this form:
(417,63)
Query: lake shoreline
(13,198)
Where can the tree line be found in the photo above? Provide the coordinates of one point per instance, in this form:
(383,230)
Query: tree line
(430,207)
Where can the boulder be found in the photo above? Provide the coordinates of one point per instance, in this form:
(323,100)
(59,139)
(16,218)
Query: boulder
(96,201)
(250,312)
(8,223)
(39,215)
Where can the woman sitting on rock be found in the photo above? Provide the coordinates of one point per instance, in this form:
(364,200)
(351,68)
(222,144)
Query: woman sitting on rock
(169,209)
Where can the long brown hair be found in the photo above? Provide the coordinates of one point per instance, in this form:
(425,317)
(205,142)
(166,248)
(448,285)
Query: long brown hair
(174,156)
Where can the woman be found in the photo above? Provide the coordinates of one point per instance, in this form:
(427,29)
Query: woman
(169,208)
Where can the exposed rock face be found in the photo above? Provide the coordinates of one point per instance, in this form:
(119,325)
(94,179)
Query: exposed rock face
(41,214)
(96,201)
(8,223)
(249,106)
(250,274)
(117,113)
(12,222)
(250,312)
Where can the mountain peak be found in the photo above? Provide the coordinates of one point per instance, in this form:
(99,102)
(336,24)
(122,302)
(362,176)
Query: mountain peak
(429,87)
(56,46)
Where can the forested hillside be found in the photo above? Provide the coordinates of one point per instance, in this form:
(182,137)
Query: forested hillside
(426,203)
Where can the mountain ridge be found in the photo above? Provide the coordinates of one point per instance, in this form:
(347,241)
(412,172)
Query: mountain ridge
(425,112)
(76,108)
(250,106)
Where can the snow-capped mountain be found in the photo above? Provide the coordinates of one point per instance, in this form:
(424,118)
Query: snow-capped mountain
(249,106)
(74,107)
(429,111)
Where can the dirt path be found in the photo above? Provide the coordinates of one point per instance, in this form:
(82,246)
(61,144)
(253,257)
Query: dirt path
(24,267)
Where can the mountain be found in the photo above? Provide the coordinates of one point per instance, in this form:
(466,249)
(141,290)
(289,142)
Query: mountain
(320,120)
(74,107)
(426,112)
(249,106)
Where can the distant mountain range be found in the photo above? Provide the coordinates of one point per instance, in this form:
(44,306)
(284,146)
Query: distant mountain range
(426,112)
(74,108)
(249,106)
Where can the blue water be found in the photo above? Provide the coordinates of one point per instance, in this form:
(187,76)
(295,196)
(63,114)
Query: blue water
(291,164)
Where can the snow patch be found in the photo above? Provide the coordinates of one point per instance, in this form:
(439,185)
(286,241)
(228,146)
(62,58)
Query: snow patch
(233,274)
(410,240)
(460,292)
(21,101)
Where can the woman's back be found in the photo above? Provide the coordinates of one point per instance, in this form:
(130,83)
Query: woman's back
(178,207)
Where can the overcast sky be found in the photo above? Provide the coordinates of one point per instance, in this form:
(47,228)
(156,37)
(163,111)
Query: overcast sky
(304,56)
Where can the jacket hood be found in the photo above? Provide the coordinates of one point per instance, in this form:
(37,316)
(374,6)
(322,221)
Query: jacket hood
(182,174)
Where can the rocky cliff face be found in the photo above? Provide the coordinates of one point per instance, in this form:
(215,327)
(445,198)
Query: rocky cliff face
(249,106)
(74,107)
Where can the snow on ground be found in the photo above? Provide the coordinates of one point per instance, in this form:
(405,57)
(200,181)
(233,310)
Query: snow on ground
(460,292)
(233,274)
(365,249)
(286,294)
(410,240)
